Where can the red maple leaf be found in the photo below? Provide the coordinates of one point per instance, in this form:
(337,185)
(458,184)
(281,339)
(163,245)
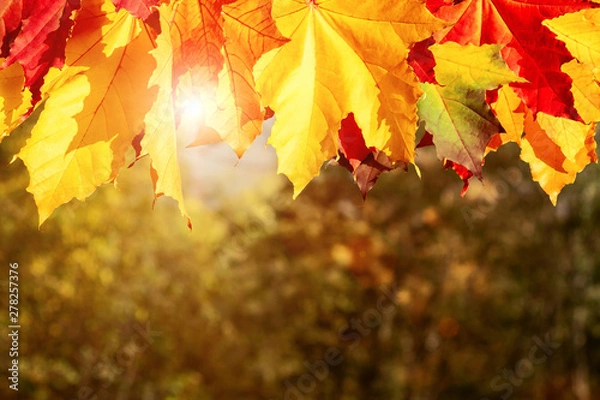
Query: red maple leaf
(422,61)
(531,50)
(41,41)
(426,140)
(351,141)
(366,164)
(10,21)
(462,172)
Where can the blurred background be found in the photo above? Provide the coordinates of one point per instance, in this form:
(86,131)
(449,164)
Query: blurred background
(415,293)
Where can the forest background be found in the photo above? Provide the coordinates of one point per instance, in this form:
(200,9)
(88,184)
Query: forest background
(264,285)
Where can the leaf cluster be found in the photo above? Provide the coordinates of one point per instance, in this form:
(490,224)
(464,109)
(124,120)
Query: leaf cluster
(109,82)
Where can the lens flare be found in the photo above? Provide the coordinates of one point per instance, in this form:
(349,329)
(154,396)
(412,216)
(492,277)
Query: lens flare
(193,108)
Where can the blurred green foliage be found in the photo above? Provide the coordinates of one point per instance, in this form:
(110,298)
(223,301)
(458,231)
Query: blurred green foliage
(121,302)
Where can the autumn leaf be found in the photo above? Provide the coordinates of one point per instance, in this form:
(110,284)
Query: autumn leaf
(400,92)
(159,140)
(352,143)
(370,169)
(530,49)
(585,89)
(235,111)
(555,148)
(460,122)
(365,164)
(462,172)
(93,108)
(510,111)
(339,55)
(40,43)
(346,78)
(471,66)
(10,21)
(455,111)
(197,37)
(580,33)
(422,62)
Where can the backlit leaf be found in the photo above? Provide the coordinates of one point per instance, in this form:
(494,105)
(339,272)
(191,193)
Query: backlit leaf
(340,52)
(10,21)
(160,141)
(531,50)
(510,112)
(586,90)
(557,149)
(40,43)
(580,32)
(461,123)
(93,109)
(105,77)
(197,37)
(455,111)
(472,66)
(235,112)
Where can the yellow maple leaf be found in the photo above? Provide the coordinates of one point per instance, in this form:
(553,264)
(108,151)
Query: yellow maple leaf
(340,55)
(510,111)
(160,137)
(555,148)
(397,111)
(585,89)
(93,108)
(473,66)
(580,31)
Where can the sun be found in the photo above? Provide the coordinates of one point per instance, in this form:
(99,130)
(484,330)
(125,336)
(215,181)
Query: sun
(193,108)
